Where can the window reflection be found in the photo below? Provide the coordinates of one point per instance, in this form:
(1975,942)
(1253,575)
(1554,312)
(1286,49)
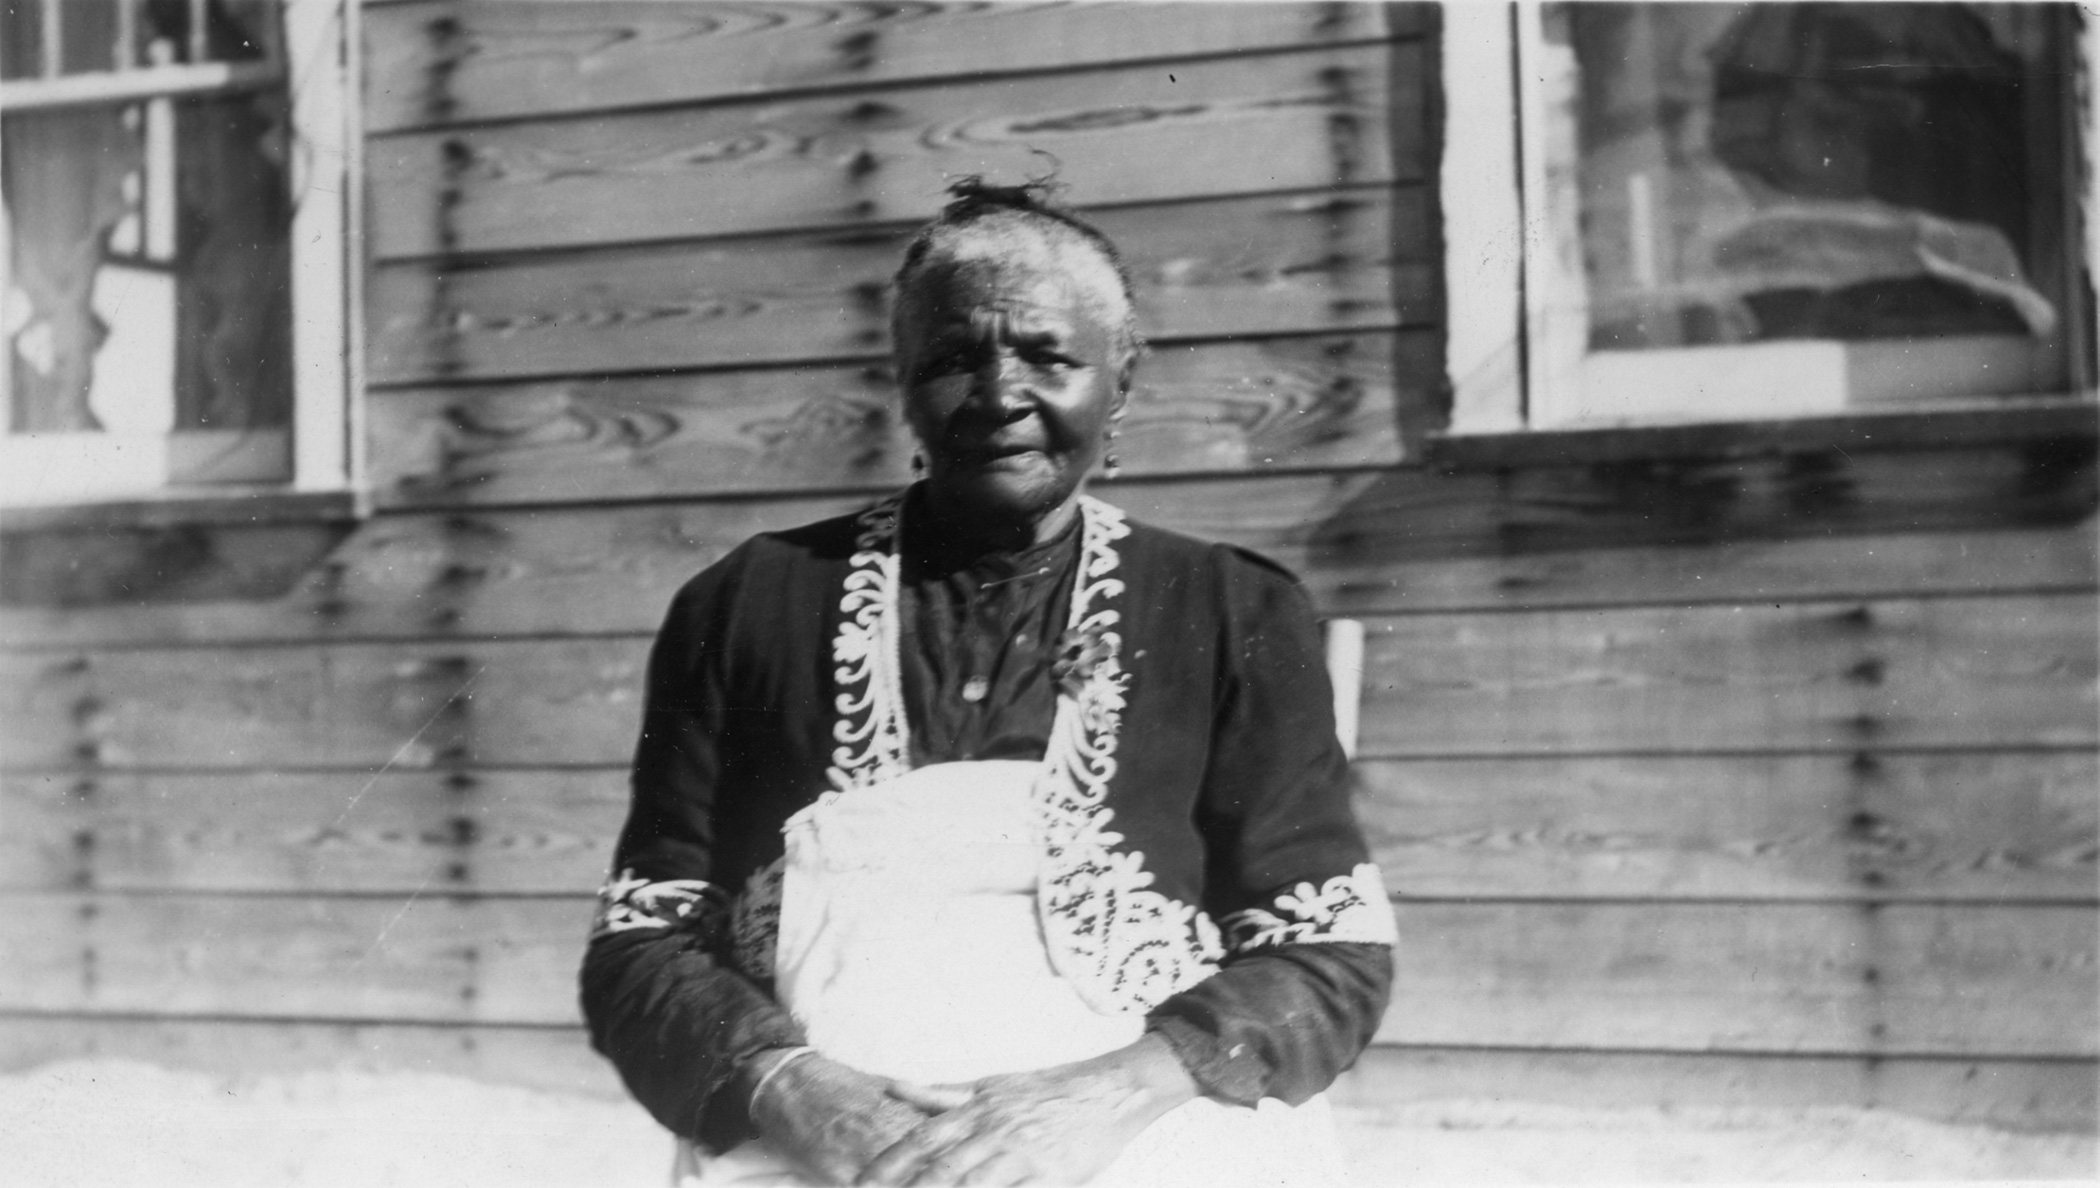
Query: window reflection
(1831,171)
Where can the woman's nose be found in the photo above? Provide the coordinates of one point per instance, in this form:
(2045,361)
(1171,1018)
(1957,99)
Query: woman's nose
(1001,385)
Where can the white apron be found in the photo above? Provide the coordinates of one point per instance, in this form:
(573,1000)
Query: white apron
(909,947)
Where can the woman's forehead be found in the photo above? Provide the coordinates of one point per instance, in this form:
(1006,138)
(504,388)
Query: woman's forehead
(1016,263)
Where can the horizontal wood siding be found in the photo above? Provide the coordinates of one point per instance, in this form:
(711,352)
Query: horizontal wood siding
(1994,826)
(1296,403)
(1315,262)
(1627,803)
(1803,676)
(1830,676)
(1890,889)
(1928,979)
(1753,780)
(1986,827)
(463,63)
(1241,124)
(1366,541)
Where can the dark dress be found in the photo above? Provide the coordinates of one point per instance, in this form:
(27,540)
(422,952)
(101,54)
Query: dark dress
(1229,789)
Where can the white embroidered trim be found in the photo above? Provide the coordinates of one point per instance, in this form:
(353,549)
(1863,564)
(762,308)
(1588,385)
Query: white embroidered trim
(1123,946)
(627,903)
(1350,908)
(873,737)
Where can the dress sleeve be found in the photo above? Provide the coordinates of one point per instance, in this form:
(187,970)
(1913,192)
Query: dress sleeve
(1307,926)
(662,1000)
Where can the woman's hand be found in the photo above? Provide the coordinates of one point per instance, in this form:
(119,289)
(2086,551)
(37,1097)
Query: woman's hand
(1058,1125)
(829,1117)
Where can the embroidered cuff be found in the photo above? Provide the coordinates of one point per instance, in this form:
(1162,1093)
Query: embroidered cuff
(1351,908)
(627,903)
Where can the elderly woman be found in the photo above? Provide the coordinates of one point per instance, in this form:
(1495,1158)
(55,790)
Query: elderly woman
(986,836)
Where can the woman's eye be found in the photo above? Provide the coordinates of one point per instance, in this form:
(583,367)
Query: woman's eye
(942,363)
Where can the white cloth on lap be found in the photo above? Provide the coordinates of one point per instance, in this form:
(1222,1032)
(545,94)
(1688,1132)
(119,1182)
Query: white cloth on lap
(909,947)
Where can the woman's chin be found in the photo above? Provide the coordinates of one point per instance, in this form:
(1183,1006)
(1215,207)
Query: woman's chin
(1017,487)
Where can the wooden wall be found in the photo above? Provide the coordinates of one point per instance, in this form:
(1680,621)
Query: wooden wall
(1730,775)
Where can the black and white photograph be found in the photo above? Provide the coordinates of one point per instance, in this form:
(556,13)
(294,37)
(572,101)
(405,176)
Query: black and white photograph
(1136,593)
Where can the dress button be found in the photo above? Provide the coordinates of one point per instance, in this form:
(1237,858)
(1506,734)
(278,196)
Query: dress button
(975,688)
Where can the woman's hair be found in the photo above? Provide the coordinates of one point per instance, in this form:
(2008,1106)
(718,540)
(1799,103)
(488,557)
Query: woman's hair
(975,201)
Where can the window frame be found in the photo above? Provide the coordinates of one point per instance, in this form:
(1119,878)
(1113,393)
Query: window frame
(320,69)
(1512,260)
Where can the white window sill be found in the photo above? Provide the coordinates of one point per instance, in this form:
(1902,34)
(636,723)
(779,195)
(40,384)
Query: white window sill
(1952,425)
(264,504)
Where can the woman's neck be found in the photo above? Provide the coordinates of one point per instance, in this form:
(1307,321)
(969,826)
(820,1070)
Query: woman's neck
(971,529)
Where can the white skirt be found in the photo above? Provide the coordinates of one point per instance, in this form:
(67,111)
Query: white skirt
(909,948)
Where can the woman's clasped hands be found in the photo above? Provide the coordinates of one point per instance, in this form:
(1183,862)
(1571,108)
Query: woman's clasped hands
(1058,1125)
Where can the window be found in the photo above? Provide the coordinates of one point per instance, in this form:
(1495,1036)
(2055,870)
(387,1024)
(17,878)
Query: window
(1722,212)
(175,204)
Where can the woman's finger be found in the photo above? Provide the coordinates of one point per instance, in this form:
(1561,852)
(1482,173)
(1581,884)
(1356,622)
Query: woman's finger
(1003,1168)
(903,1158)
(948,1166)
(938,1099)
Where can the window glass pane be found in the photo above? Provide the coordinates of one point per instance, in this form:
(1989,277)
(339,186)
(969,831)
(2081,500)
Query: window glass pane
(62,179)
(133,388)
(232,226)
(191,191)
(1751,173)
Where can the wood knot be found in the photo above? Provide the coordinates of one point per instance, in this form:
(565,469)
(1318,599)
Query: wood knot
(470,526)
(857,51)
(434,668)
(868,111)
(868,295)
(1869,671)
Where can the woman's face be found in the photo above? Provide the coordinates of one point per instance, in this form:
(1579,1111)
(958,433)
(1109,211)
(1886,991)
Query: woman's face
(1012,374)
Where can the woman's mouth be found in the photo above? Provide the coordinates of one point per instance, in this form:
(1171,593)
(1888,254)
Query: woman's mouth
(992,453)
